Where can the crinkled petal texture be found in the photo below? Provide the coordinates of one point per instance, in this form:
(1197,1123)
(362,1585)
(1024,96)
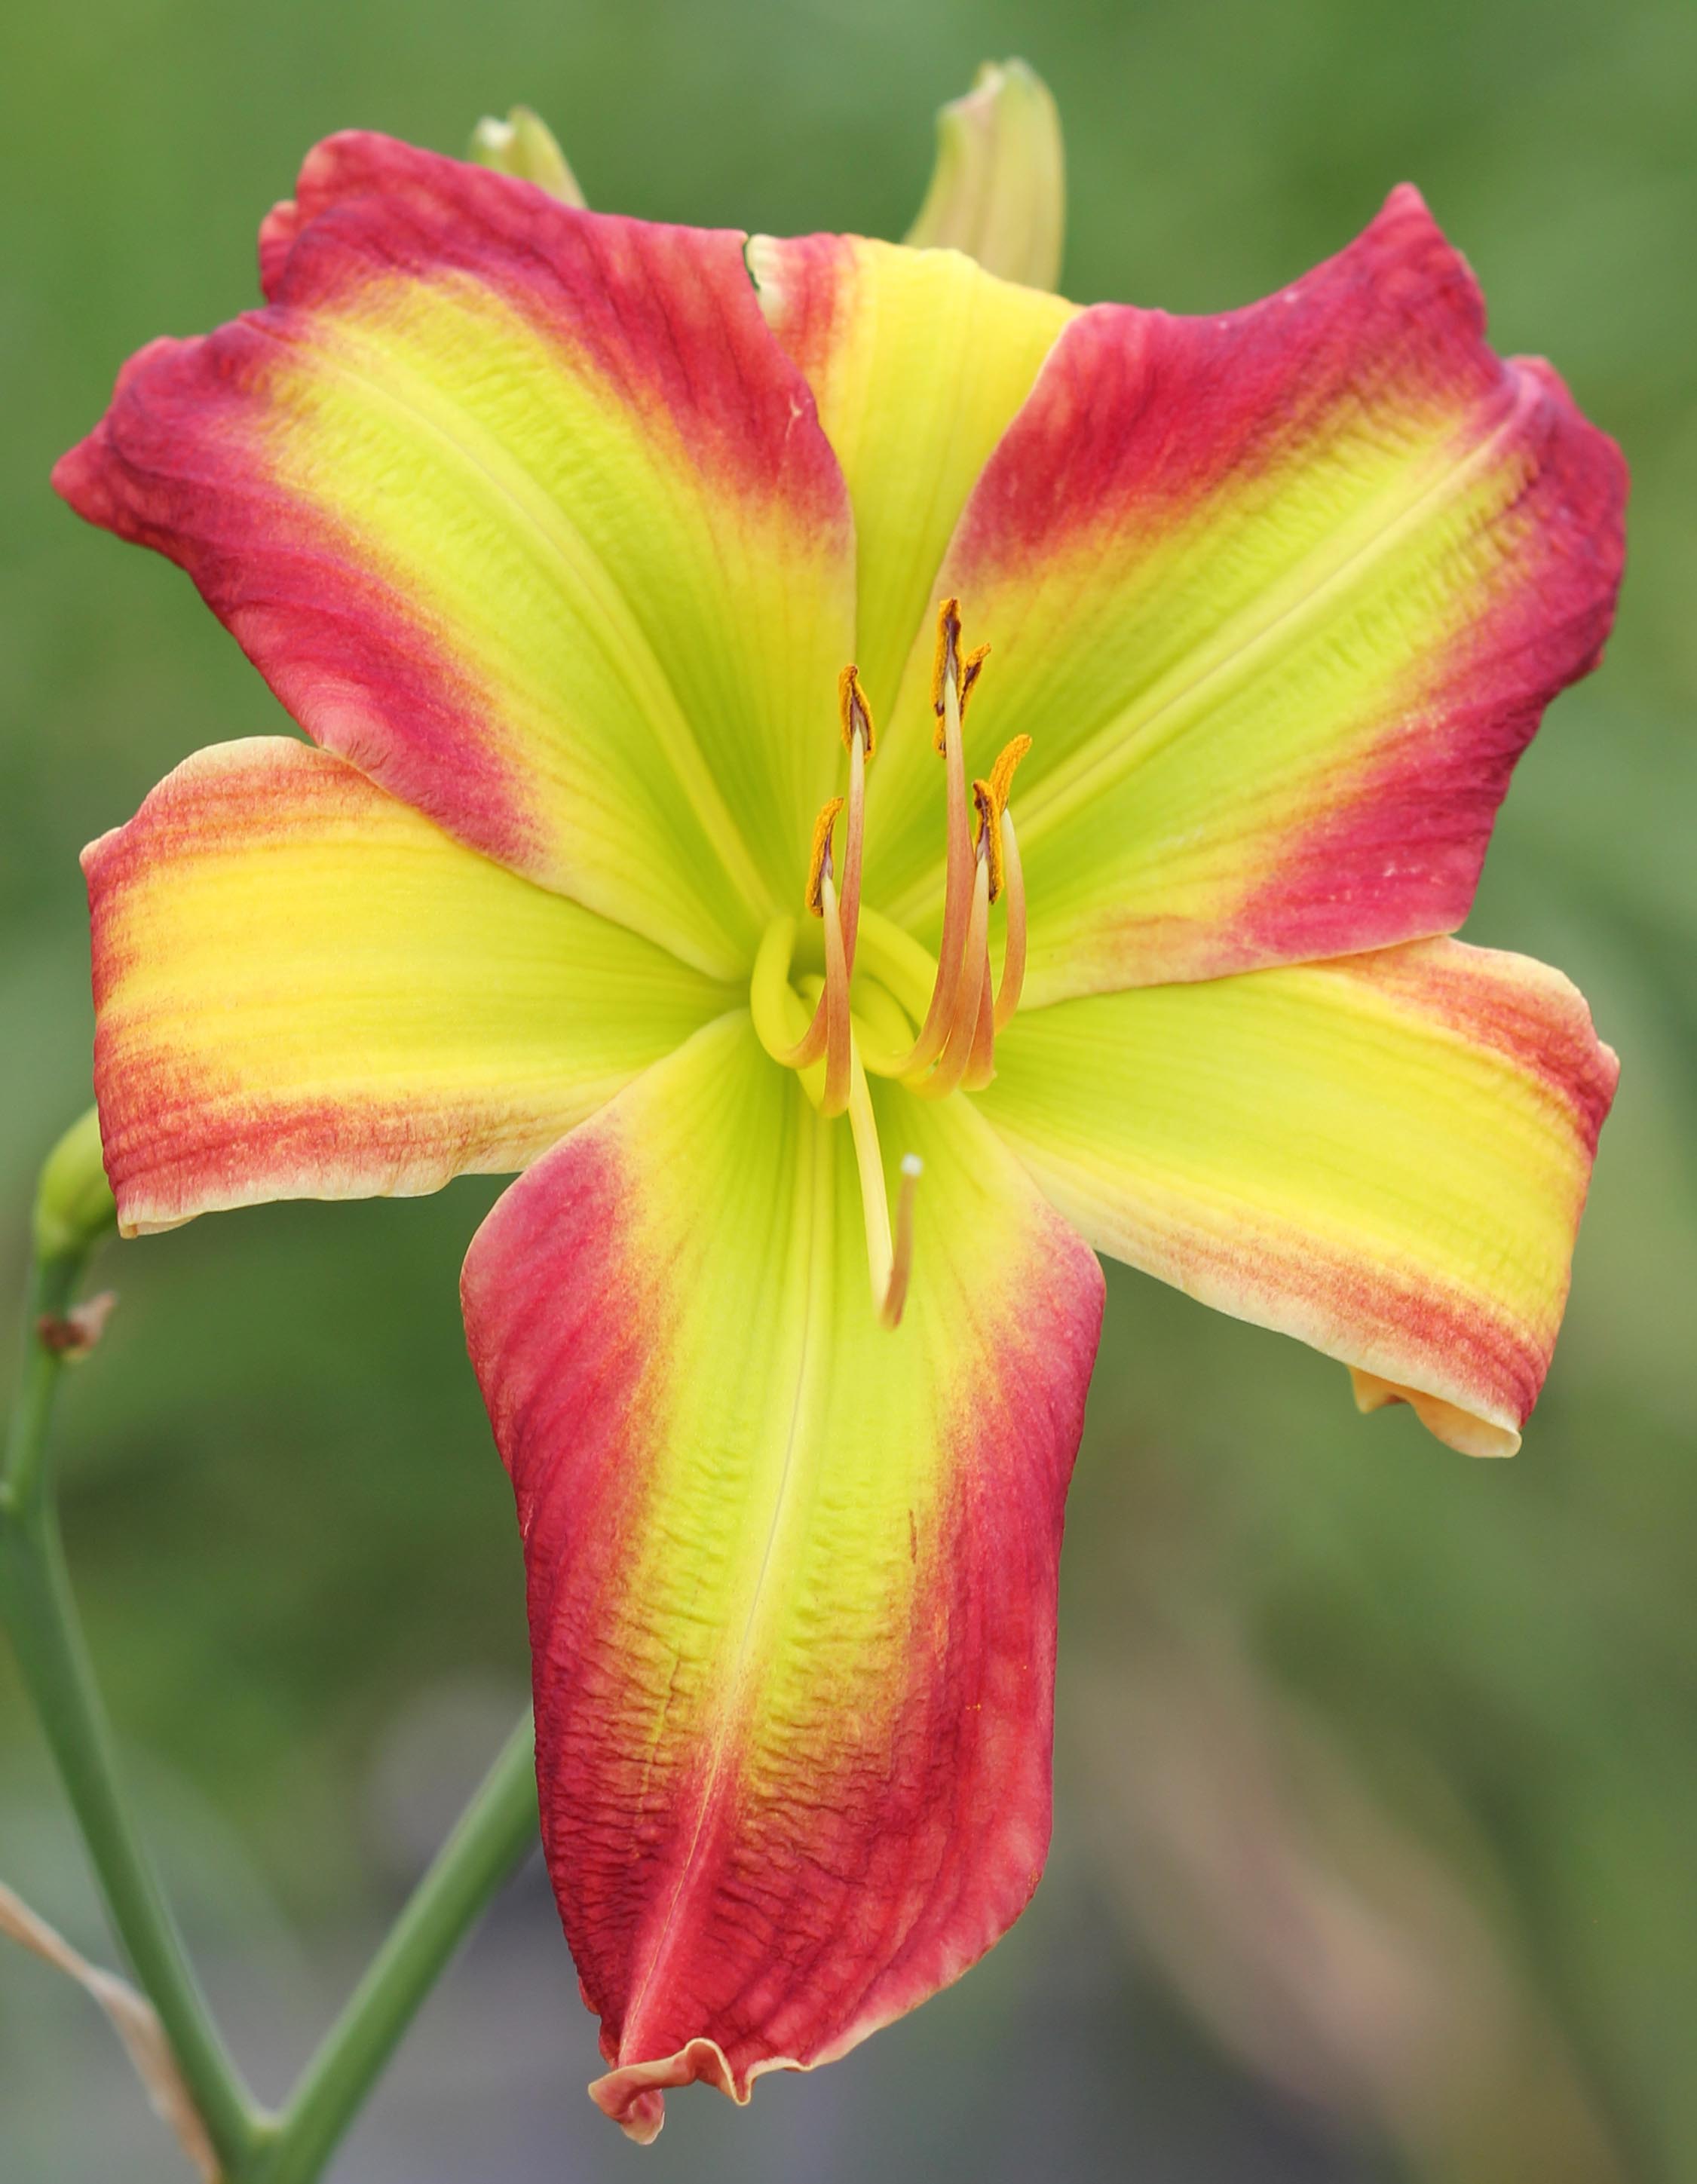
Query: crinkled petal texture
(791,1577)
(305,989)
(521,509)
(919,360)
(1279,596)
(1386,1155)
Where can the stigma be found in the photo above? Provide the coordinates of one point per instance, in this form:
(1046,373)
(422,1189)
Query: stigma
(964,1005)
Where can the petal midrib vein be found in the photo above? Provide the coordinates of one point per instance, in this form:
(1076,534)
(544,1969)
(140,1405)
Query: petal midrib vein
(389,381)
(811,1246)
(1131,736)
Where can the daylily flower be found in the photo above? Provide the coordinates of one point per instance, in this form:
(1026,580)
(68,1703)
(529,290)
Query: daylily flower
(636,609)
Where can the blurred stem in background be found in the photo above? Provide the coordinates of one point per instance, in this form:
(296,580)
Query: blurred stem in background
(193,2080)
(493,1835)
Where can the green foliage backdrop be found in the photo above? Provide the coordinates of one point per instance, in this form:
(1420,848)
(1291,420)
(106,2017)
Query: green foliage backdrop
(1451,1708)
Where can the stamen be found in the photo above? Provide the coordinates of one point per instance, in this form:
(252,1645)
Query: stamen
(991,798)
(855,713)
(828,1033)
(970,669)
(1007,764)
(956,1041)
(963,1017)
(945,661)
(988,839)
(1014,954)
(957,891)
(860,739)
(1007,879)
(981,1062)
(833,1003)
(819,857)
(889,1265)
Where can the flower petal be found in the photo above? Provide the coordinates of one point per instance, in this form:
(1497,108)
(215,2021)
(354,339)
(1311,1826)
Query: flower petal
(304,989)
(998,189)
(918,359)
(791,1577)
(1385,1155)
(522,510)
(1279,596)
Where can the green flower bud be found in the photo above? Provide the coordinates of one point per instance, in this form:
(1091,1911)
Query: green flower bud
(998,189)
(524,145)
(74,1204)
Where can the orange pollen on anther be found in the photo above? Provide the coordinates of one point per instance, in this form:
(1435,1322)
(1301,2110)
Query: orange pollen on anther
(945,658)
(855,713)
(819,857)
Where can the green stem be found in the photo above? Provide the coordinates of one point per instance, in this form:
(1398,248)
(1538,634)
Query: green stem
(52,1288)
(492,1835)
(36,1605)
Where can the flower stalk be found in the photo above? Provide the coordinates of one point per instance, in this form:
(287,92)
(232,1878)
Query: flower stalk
(40,1613)
(38,1610)
(493,1835)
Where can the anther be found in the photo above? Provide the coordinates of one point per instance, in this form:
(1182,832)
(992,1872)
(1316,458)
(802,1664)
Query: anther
(946,666)
(1007,879)
(970,669)
(1003,772)
(987,841)
(819,857)
(945,663)
(830,1024)
(855,714)
(860,738)
(991,797)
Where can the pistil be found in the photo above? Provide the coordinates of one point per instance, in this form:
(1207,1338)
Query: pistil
(889,1262)
(839,1038)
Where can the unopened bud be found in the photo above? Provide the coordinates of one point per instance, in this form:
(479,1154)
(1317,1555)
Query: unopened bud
(523,145)
(998,189)
(74,1204)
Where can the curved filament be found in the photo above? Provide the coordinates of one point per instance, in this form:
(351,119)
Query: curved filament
(889,1260)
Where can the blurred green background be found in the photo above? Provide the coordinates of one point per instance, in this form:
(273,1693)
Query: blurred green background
(1377,1768)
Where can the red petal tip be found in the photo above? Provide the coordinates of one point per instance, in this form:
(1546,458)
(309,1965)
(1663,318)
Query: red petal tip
(634,2095)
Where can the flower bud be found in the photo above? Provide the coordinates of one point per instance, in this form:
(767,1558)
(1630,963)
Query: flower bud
(524,145)
(74,1204)
(998,189)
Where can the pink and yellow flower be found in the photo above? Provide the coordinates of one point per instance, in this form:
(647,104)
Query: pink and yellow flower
(558,533)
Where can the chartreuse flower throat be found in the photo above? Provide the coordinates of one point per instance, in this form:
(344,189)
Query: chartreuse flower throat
(867,786)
